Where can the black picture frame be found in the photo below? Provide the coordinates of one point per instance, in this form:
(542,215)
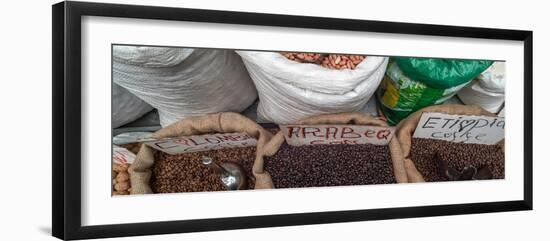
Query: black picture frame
(66,127)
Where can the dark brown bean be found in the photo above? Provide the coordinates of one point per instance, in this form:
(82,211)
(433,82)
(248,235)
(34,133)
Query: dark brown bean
(186,173)
(330,165)
(429,155)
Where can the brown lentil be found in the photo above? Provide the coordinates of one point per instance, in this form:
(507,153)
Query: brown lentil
(331,61)
(186,173)
(330,165)
(427,155)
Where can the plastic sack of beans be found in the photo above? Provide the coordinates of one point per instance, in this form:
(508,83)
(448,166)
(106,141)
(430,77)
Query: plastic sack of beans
(158,172)
(414,83)
(289,166)
(424,158)
(291,90)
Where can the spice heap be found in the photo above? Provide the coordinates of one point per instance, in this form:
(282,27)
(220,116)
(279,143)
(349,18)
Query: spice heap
(330,165)
(186,173)
(331,61)
(121,182)
(430,155)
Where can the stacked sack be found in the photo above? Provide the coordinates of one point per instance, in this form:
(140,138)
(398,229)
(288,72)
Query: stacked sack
(290,91)
(413,83)
(126,106)
(182,82)
(487,90)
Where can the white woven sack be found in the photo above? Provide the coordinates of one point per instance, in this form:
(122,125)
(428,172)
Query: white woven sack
(493,78)
(182,83)
(126,106)
(487,90)
(474,94)
(290,91)
(150,56)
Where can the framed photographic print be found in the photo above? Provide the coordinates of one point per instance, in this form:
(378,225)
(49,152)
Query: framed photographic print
(171,120)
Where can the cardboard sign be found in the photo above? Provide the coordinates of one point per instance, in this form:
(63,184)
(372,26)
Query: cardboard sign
(122,155)
(298,135)
(187,144)
(460,128)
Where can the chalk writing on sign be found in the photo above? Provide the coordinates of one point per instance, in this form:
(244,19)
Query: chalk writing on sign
(460,128)
(298,135)
(187,144)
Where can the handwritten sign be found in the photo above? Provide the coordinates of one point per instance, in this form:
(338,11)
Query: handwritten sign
(460,128)
(298,135)
(122,155)
(187,144)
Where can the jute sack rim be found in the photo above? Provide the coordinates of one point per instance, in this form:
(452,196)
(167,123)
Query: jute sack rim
(406,128)
(224,122)
(340,118)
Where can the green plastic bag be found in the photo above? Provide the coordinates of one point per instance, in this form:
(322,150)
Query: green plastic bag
(441,73)
(399,95)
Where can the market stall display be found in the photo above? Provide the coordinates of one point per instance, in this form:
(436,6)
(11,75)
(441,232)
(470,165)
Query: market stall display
(155,171)
(441,160)
(183,82)
(413,83)
(290,91)
(319,125)
(331,164)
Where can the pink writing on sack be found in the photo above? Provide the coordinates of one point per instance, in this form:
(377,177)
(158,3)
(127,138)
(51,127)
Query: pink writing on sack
(122,155)
(298,135)
(198,143)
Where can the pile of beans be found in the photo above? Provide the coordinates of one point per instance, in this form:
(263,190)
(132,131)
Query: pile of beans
(427,155)
(330,165)
(331,61)
(121,177)
(186,173)
(121,182)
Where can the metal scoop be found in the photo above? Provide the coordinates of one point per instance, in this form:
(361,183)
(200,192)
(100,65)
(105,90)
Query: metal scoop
(231,174)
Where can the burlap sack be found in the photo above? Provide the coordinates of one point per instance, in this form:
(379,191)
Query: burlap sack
(353,118)
(226,122)
(406,128)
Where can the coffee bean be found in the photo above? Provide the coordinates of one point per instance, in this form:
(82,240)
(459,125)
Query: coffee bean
(330,165)
(429,155)
(186,173)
